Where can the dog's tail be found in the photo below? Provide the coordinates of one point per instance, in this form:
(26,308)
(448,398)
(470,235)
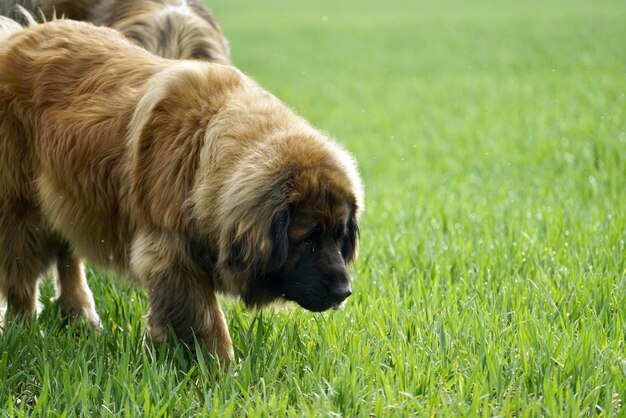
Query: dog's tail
(19,17)
(7,27)
(15,9)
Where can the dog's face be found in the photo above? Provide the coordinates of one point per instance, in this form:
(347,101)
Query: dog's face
(313,243)
(320,247)
(177,33)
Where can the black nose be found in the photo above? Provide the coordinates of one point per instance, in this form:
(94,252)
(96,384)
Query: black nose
(341,291)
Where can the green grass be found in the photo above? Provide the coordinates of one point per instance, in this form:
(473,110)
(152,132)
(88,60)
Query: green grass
(491,136)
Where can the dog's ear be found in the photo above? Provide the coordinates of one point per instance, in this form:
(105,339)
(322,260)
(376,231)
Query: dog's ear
(280,240)
(237,254)
(350,241)
(201,254)
(259,254)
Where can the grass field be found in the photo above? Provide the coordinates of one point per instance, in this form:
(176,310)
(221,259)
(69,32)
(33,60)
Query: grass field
(491,281)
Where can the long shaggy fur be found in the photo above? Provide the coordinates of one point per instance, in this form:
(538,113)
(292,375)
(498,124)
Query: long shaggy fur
(181,175)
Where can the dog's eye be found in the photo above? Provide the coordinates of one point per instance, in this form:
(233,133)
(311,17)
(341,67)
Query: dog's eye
(311,238)
(200,54)
(134,37)
(341,235)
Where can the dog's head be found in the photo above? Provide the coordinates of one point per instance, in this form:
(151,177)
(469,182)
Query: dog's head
(313,243)
(291,224)
(183,31)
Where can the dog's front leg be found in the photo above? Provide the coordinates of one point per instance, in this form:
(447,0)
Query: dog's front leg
(181,296)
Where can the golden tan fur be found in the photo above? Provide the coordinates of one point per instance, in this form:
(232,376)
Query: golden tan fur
(176,29)
(167,172)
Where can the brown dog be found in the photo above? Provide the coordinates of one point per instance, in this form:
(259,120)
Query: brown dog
(185,176)
(176,29)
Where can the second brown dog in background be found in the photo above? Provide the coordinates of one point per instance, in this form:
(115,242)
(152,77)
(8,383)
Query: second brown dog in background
(175,29)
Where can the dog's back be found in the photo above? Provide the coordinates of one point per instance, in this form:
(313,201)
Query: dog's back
(54,72)
(59,107)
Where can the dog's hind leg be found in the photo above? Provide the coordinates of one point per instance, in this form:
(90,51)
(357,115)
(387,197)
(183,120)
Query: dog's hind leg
(26,244)
(73,293)
(26,253)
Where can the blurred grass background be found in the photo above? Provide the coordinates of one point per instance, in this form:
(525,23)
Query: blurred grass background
(491,136)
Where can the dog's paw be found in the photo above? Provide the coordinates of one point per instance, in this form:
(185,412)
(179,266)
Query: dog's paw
(73,311)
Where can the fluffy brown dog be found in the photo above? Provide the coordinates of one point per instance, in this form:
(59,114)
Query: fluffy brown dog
(176,29)
(185,176)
